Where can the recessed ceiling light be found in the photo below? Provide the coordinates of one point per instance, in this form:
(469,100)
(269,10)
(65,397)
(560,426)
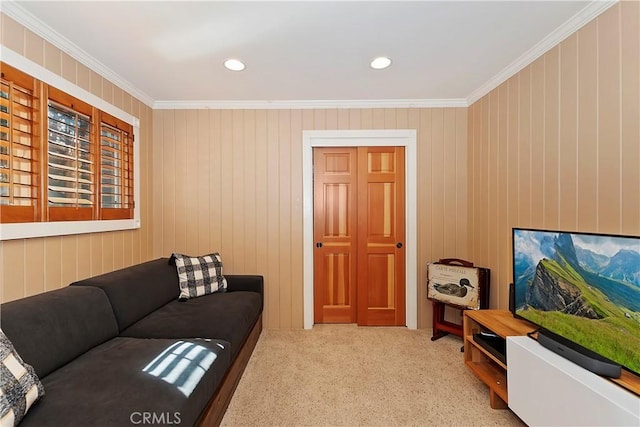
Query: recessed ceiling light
(380,63)
(234,65)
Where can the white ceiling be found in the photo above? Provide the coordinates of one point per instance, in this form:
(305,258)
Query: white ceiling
(174,50)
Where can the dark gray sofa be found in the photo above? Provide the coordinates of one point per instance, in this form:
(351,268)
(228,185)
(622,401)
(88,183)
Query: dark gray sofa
(119,348)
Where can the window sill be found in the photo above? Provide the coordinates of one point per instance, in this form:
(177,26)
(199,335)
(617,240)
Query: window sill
(62,228)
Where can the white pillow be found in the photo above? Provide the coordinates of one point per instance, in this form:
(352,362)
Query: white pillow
(20,387)
(199,276)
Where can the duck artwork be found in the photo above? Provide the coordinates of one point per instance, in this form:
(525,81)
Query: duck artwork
(453,289)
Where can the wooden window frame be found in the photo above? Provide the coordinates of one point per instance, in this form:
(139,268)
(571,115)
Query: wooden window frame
(43,225)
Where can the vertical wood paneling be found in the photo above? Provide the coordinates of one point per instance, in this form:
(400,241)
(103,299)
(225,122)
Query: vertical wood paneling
(568,157)
(331,118)
(461,218)
(33,47)
(551,142)
(118,250)
(215,223)
(68,65)
(52,263)
(191,177)
(250,255)
(68,259)
(609,178)
(107,91)
(450,176)
(378,117)
(226,185)
(572,131)
(167,174)
(84,256)
(182,186)
(12,34)
(437,181)
(127,249)
(524,147)
(502,175)
(492,193)
(537,141)
(254,183)
(262,197)
(285,205)
(482,175)
(355,119)
(366,119)
(52,58)
(83,77)
(513,195)
(96,254)
(202,182)
(343,119)
(157,184)
(588,127)
(630,64)
(237,187)
(13,269)
(295,132)
(35,277)
(273,223)
(107,252)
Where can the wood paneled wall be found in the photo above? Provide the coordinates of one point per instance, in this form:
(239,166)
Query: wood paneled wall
(231,181)
(31,266)
(557,146)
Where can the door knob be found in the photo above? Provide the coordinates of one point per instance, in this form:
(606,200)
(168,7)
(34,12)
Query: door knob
(319,245)
(398,245)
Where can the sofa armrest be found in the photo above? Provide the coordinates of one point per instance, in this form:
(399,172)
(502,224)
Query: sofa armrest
(250,283)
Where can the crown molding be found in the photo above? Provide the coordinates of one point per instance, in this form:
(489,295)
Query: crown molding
(577,21)
(13,10)
(314,104)
(16,12)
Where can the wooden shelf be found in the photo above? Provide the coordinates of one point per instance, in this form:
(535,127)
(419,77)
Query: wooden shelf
(486,353)
(488,368)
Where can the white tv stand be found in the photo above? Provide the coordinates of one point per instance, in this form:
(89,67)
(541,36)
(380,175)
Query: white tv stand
(547,389)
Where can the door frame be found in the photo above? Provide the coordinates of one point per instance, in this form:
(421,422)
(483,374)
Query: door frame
(362,138)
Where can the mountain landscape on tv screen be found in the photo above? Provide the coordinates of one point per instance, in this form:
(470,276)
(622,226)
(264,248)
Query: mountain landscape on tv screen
(585,288)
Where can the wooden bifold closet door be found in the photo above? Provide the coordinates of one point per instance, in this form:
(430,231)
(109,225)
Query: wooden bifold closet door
(359,213)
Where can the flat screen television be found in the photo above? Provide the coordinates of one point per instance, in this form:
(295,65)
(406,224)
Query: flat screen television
(583,291)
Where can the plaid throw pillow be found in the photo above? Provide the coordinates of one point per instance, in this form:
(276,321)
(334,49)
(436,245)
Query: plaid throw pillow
(19,384)
(199,276)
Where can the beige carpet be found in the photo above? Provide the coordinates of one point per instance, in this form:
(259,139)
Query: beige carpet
(344,375)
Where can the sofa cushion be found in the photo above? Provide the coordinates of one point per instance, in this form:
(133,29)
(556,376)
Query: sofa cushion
(228,316)
(198,276)
(136,291)
(20,387)
(53,328)
(118,382)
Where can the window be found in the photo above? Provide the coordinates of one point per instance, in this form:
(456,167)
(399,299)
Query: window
(116,173)
(70,165)
(61,158)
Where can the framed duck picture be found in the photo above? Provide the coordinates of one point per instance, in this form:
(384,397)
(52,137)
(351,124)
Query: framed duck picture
(458,285)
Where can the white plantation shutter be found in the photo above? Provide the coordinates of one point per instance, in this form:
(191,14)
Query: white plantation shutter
(71,171)
(116,168)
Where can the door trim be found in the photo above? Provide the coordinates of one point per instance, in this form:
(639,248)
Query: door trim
(357,138)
